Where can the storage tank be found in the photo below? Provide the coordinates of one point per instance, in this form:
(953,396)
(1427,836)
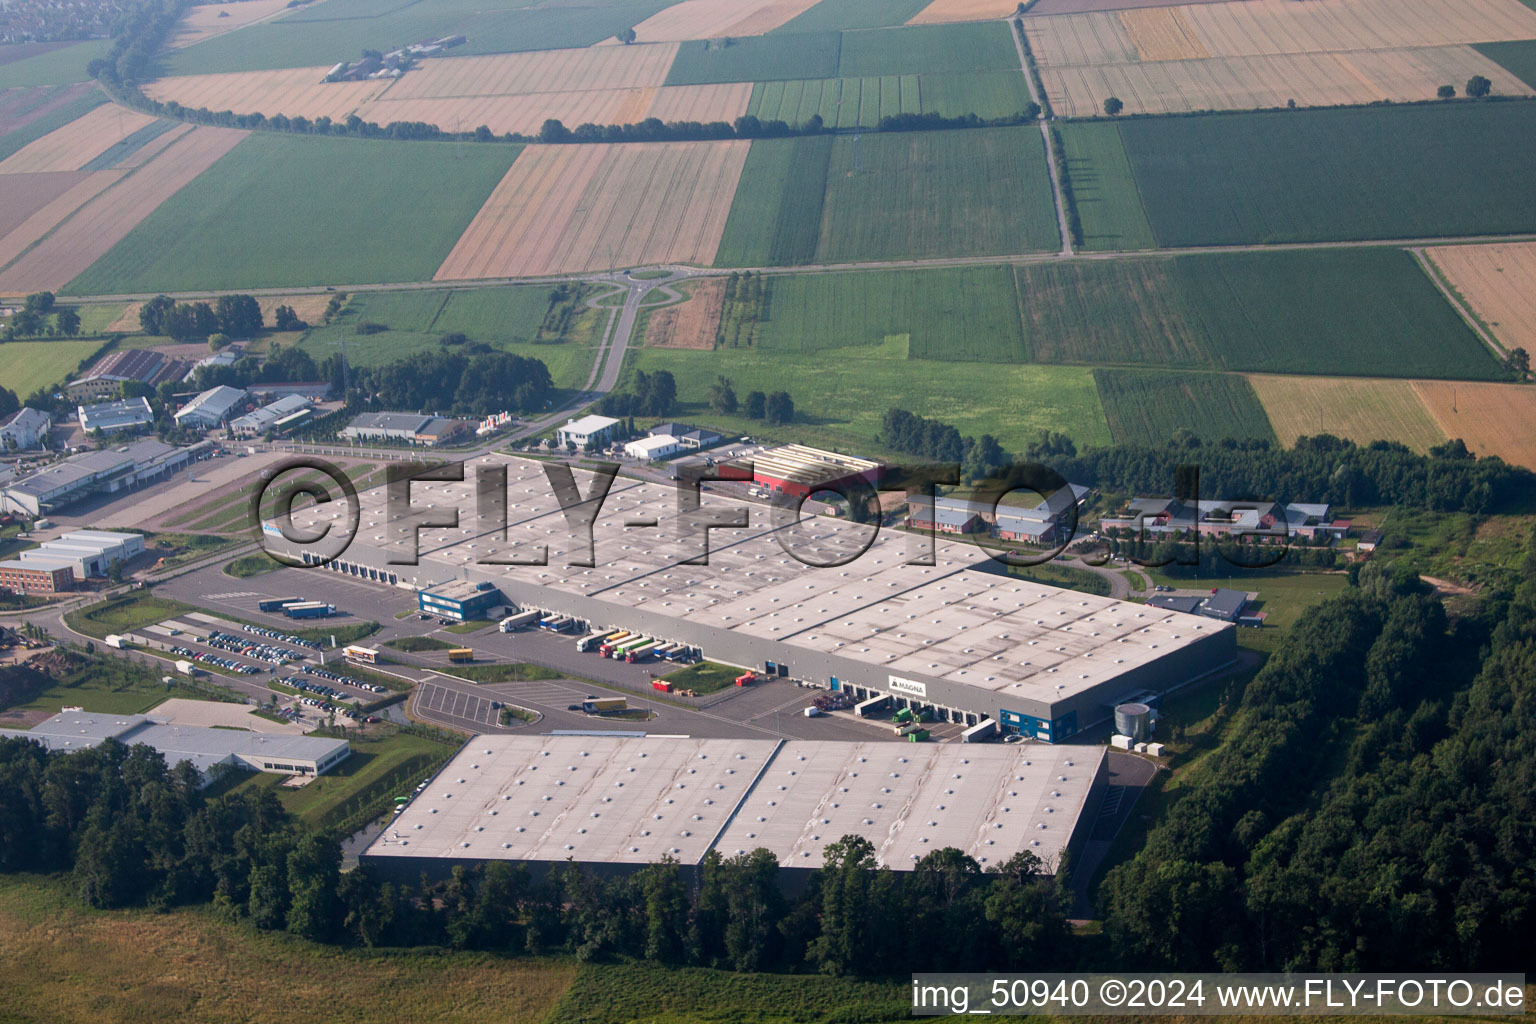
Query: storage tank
(1133,720)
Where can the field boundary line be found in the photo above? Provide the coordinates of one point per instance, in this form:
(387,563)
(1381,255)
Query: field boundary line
(1461,306)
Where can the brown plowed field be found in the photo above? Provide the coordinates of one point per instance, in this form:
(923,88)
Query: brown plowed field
(208,20)
(941,11)
(22,195)
(692,323)
(78,143)
(101,223)
(1499,282)
(1494,419)
(47,217)
(509,74)
(294,92)
(590,207)
(713,19)
(20,107)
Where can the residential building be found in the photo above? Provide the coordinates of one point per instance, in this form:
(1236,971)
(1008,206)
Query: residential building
(589,430)
(1263,520)
(122,414)
(1017,517)
(25,428)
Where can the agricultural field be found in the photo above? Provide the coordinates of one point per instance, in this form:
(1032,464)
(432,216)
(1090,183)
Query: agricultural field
(718,19)
(922,194)
(97,227)
(320,34)
(1498,282)
(1354,408)
(962,10)
(26,366)
(775,216)
(1518,58)
(1367,312)
(29,114)
(363,217)
(74,145)
(950,315)
(691,323)
(293,92)
(1148,406)
(837,15)
(62,66)
(1493,419)
(205,21)
(840,400)
(591,207)
(862,102)
(1331,175)
(1104,188)
(757,59)
(929,50)
(37,222)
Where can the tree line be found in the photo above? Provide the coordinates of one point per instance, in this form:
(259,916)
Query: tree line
(473,384)
(131,831)
(1372,810)
(31,320)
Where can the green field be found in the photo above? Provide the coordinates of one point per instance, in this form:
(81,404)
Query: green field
(844,14)
(56,67)
(26,366)
(362,215)
(324,33)
(110,687)
(1321,175)
(1148,406)
(507,318)
(962,314)
(776,214)
(1104,187)
(929,49)
(841,396)
(900,195)
(11,142)
(131,611)
(1518,58)
(1355,312)
(862,102)
(756,59)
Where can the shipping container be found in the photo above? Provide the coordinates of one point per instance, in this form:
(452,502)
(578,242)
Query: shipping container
(461,654)
(917,736)
(661,684)
(276,604)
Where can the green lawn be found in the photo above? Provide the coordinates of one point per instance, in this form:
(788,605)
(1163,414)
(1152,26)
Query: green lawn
(56,118)
(418,643)
(120,614)
(321,34)
(845,14)
(841,396)
(507,673)
(1518,58)
(353,211)
(26,366)
(1359,312)
(56,67)
(756,59)
(110,687)
(1147,406)
(1103,186)
(898,195)
(247,566)
(775,216)
(703,677)
(1319,175)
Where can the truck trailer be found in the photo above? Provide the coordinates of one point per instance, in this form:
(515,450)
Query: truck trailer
(277,604)
(513,623)
(309,610)
(642,652)
(592,641)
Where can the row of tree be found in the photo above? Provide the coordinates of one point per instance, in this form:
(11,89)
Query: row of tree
(941,442)
(777,408)
(237,316)
(468,383)
(32,319)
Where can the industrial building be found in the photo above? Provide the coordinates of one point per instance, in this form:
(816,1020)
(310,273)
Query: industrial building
(1018,516)
(106,471)
(409,427)
(800,471)
(653,448)
(615,804)
(113,370)
(1260,520)
(1221,603)
(88,552)
(895,617)
(203,746)
(120,415)
(587,431)
(37,576)
(693,438)
(25,428)
(211,408)
(461,600)
(275,417)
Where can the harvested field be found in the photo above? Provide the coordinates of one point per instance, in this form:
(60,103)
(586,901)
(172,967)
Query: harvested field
(76,144)
(309,307)
(702,103)
(524,114)
(578,208)
(208,20)
(25,194)
(1048,7)
(1499,283)
(101,223)
(1493,419)
(20,107)
(691,324)
(147,152)
(293,92)
(1357,409)
(941,11)
(14,242)
(1247,83)
(714,19)
(509,74)
(1163,33)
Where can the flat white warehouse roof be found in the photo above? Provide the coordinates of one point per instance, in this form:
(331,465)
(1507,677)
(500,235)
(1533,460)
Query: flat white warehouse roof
(947,620)
(635,800)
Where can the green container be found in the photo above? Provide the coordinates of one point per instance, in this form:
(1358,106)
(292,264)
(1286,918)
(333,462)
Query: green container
(904,715)
(919,736)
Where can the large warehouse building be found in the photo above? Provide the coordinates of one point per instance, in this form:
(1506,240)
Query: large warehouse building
(956,635)
(614,804)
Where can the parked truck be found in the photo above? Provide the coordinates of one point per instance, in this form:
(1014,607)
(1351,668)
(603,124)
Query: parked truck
(276,604)
(556,623)
(309,610)
(641,652)
(513,623)
(186,668)
(592,641)
(116,640)
(461,654)
(621,651)
(612,640)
